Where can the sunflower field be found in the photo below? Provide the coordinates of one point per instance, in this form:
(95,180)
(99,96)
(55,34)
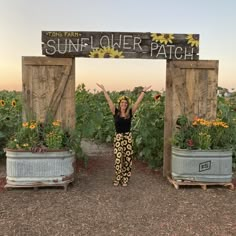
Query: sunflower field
(94,120)
(10,116)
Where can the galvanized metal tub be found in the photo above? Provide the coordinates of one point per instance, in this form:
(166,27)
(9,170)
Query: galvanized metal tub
(27,169)
(202,165)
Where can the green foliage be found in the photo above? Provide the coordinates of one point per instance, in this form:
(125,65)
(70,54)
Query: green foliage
(13,135)
(93,117)
(208,134)
(95,121)
(148,131)
(10,116)
(38,136)
(226,110)
(25,138)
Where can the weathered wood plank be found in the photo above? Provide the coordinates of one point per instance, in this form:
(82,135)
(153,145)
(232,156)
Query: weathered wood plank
(120,45)
(68,47)
(48,88)
(168,121)
(191,89)
(130,55)
(201,64)
(46,61)
(46,35)
(203,185)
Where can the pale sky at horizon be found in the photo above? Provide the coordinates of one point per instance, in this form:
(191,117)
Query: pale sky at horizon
(22,21)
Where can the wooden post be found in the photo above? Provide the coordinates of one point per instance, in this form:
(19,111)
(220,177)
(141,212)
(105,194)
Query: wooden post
(191,89)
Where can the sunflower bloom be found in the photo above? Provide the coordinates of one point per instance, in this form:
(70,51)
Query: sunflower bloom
(156,37)
(2,103)
(96,53)
(167,38)
(25,124)
(108,51)
(32,126)
(13,103)
(116,54)
(193,40)
(157,96)
(56,123)
(124,98)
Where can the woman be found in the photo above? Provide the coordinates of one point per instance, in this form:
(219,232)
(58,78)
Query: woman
(123,139)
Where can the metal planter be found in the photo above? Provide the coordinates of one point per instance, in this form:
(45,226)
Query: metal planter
(202,165)
(27,169)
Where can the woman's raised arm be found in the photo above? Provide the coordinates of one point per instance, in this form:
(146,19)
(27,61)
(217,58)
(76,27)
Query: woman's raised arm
(109,101)
(140,98)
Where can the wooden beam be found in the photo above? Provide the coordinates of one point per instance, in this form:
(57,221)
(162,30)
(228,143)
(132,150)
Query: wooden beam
(120,45)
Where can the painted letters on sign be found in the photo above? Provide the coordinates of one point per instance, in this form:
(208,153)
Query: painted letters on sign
(120,45)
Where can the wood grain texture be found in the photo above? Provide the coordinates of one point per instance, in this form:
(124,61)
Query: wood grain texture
(49,89)
(191,89)
(142,45)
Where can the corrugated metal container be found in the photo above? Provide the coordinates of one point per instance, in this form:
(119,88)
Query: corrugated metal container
(202,165)
(27,169)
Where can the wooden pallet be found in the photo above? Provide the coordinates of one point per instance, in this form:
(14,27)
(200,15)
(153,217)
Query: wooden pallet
(36,186)
(203,185)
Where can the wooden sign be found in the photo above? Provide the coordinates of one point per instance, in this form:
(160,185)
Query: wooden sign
(120,45)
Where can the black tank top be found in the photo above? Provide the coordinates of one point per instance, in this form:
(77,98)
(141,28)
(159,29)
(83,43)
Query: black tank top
(122,124)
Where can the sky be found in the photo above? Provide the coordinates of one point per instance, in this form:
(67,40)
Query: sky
(22,21)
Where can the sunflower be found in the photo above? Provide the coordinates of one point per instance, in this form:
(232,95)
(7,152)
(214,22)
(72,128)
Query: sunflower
(119,154)
(56,123)
(117,161)
(157,96)
(2,103)
(124,142)
(117,144)
(117,167)
(32,126)
(129,147)
(96,53)
(108,51)
(130,140)
(25,124)
(162,38)
(13,103)
(116,54)
(124,98)
(117,138)
(167,38)
(156,37)
(193,40)
(128,153)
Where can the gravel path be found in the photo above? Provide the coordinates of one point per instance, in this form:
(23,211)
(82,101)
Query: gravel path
(150,205)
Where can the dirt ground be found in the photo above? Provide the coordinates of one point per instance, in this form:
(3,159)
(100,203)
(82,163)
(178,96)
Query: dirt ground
(150,205)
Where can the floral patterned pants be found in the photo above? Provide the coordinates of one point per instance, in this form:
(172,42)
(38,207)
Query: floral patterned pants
(123,151)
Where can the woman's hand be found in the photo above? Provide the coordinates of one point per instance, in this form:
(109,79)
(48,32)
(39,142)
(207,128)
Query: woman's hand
(146,88)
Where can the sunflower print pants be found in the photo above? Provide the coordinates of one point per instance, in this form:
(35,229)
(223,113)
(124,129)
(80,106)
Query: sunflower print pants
(123,151)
